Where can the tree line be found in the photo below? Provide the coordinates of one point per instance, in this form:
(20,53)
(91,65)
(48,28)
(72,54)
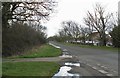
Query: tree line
(97,21)
(21,25)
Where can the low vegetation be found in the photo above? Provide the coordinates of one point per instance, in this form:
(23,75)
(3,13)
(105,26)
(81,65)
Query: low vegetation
(29,69)
(20,37)
(115,33)
(42,51)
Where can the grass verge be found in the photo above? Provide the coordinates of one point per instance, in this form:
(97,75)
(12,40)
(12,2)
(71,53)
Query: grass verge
(94,47)
(42,51)
(29,68)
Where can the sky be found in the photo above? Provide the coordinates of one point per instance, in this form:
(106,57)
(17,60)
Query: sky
(75,10)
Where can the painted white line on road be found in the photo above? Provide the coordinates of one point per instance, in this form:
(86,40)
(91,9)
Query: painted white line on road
(65,50)
(94,67)
(109,74)
(103,71)
(102,66)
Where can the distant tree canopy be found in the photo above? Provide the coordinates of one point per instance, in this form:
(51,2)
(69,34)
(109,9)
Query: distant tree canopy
(72,31)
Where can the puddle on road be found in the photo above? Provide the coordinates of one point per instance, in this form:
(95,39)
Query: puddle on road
(64,72)
(73,64)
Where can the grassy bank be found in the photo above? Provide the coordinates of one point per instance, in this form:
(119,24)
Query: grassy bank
(94,47)
(34,69)
(42,51)
(29,68)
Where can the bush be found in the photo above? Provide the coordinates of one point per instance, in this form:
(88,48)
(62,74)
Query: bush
(116,36)
(19,37)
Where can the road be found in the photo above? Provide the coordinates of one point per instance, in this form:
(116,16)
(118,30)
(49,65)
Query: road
(102,61)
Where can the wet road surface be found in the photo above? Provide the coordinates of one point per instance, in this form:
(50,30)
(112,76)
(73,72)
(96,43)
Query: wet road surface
(104,62)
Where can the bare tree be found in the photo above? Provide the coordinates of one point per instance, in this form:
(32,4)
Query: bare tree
(100,21)
(36,11)
(71,29)
(85,32)
(115,20)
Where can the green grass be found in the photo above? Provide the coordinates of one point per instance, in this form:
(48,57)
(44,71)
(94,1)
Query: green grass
(43,51)
(94,47)
(29,68)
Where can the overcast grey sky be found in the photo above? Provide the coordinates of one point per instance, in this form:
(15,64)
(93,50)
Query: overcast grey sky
(76,10)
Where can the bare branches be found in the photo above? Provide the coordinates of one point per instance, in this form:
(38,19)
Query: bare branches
(71,29)
(29,11)
(98,20)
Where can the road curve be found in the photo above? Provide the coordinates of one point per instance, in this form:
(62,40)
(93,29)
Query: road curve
(103,61)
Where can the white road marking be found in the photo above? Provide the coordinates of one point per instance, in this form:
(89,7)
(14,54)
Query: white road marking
(109,74)
(103,71)
(104,67)
(94,67)
(65,50)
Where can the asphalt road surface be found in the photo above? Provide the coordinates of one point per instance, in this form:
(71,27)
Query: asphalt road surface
(102,61)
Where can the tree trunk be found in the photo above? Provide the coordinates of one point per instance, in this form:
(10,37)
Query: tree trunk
(103,32)
(102,39)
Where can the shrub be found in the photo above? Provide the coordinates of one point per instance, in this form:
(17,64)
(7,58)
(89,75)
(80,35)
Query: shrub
(19,37)
(116,36)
